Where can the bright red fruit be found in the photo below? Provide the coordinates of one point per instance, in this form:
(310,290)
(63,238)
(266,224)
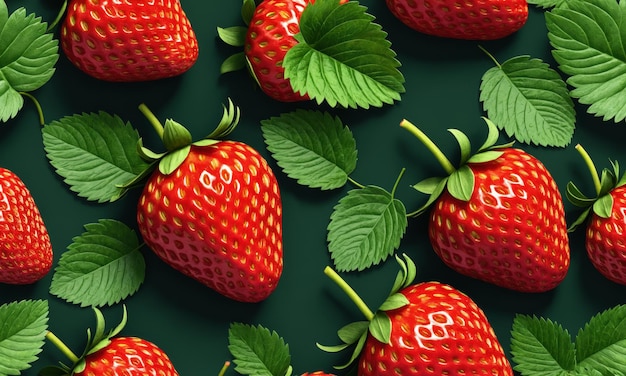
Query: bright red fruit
(136,40)
(440,332)
(469,19)
(317,373)
(218,219)
(25,248)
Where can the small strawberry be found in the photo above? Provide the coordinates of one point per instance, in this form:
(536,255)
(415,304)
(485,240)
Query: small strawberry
(106,354)
(428,328)
(137,40)
(472,19)
(605,218)
(499,217)
(25,248)
(212,210)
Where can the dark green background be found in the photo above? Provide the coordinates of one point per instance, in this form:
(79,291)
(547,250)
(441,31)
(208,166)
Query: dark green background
(189,321)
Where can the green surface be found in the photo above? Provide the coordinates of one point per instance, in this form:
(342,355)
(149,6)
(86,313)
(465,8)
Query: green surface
(189,321)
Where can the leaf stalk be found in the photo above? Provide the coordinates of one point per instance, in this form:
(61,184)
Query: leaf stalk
(62,347)
(434,149)
(154,121)
(591,166)
(332,274)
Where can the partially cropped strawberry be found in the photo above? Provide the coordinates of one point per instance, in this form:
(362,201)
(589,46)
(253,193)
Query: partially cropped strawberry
(213,211)
(605,219)
(499,217)
(136,40)
(428,328)
(471,19)
(25,248)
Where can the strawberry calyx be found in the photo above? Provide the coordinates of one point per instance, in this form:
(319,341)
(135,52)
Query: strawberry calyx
(378,323)
(602,202)
(459,181)
(98,341)
(235,36)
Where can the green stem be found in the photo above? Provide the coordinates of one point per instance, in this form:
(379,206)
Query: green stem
(58,17)
(591,166)
(37,106)
(62,346)
(154,121)
(369,315)
(356,183)
(395,185)
(490,56)
(441,158)
(224,368)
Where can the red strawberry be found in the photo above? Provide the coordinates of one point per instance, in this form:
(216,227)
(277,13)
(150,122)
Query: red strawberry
(25,248)
(605,218)
(429,328)
(215,215)
(136,40)
(472,19)
(317,373)
(500,218)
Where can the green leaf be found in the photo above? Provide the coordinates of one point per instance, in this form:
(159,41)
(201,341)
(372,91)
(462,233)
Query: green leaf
(541,347)
(603,206)
(485,156)
(312,147)
(530,101)
(234,36)
(351,333)
(601,344)
(380,327)
(102,266)
(366,227)
(96,154)
(394,301)
(437,191)
(464,144)
(257,351)
(22,334)
(343,57)
(429,185)
(545,4)
(461,183)
(28,54)
(588,44)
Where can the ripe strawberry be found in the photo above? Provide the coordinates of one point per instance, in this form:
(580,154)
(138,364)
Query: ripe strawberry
(604,216)
(216,216)
(500,218)
(472,19)
(317,373)
(137,40)
(25,248)
(424,328)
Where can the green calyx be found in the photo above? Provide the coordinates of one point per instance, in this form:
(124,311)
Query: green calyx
(602,202)
(178,140)
(98,341)
(235,36)
(459,181)
(378,323)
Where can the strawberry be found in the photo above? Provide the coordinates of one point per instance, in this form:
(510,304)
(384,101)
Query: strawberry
(424,328)
(499,217)
(212,210)
(317,373)
(108,354)
(137,40)
(604,216)
(25,248)
(472,19)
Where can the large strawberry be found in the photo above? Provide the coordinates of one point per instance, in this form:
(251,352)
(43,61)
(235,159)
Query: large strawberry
(25,248)
(428,328)
(605,219)
(137,40)
(472,19)
(213,211)
(499,217)
(108,354)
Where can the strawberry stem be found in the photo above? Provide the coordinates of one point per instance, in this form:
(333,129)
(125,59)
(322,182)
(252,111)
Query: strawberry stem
(441,158)
(58,18)
(37,106)
(490,56)
(154,121)
(591,166)
(369,315)
(62,346)
(224,368)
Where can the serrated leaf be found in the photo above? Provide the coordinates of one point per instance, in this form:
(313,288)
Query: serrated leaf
(101,267)
(312,147)
(27,58)
(601,344)
(343,57)
(588,44)
(257,351)
(95,153)
(541,347)
(530,101)
(22,334)
(545,4)
(365,228)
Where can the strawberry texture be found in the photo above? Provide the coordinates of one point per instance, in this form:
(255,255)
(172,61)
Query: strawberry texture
(511,232)
(218,219)
(137,40)
(25,248)
(441,332)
